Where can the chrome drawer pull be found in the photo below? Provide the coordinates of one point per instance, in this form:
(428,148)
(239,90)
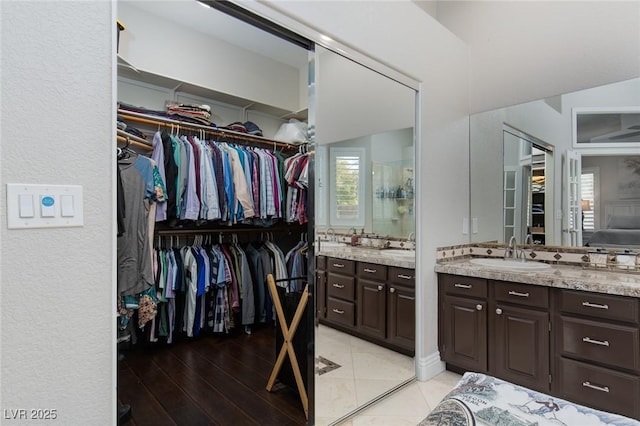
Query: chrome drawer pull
(371,271)
(515,293)
(406,277)
(598,388)
(338,285)
(595,342)
(595,305)
(380,288)
(462,285)
(338,311)
(338,265)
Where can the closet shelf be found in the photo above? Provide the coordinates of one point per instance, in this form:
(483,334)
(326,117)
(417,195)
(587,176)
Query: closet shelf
(278,227)
(130,139)
(167,122)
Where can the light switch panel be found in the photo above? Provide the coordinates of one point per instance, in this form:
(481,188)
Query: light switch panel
(66,206)
(48,206)
(26,205)
(44,206)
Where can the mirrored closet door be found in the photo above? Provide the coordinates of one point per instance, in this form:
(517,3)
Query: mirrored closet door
(365,249)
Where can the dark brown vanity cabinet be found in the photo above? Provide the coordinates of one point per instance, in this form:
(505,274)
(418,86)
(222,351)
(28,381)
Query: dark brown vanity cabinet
(496,327)
(401,308)
(321,287)
(369,300)
(576,345)
(372,306)
(462,322)
(341,292)
(519,327)
(598,341)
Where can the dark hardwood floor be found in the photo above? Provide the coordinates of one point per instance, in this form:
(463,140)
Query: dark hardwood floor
(207,381)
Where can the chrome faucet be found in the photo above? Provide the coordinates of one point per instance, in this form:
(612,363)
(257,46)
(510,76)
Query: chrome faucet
(512,252)
(333,234)
(528,239)
(412,236)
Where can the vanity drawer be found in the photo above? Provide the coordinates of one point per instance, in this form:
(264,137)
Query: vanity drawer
(599,387)
(341,311)
(372,271)
(321,262)
(404,276)
(341,266)
(341,286)
(598,305)
(611,344)
(522,294)
(464,286)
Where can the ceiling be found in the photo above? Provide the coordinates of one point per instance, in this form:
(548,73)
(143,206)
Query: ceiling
(216,24)
(575,45)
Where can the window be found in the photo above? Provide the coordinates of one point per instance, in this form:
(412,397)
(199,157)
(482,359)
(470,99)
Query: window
(588,185)
(347,177)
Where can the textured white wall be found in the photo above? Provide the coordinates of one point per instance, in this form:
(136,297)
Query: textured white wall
(526,50)
(56,284)
(150,46)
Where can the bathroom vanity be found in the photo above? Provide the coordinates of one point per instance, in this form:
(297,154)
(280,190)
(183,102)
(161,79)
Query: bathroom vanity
(368,294)
(566,331)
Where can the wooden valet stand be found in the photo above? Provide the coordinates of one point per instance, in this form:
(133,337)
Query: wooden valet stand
(288,332)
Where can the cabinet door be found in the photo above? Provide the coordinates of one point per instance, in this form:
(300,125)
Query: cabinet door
(521,346)
(371,308)
(401,316)
(321,294)
(464,328)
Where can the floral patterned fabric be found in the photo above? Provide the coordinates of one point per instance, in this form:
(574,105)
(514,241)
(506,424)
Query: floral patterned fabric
(479,399)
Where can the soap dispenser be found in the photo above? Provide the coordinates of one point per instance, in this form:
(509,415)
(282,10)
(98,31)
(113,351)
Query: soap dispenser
(354,238)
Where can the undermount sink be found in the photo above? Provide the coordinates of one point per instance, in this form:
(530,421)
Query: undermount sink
(511,264)
(331,244)
(399,252)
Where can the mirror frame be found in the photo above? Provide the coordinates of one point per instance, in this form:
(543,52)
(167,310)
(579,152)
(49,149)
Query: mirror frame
(621,111)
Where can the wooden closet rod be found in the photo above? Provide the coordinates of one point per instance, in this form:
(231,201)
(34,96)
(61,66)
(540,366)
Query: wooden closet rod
(130,139)
(167,122)
(169,232)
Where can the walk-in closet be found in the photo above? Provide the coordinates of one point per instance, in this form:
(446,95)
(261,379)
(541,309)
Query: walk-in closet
(213,172)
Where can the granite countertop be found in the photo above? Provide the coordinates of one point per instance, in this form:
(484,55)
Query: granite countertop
(371,255)
(559,276)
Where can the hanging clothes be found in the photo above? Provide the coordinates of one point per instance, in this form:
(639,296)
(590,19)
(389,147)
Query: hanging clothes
(215,288)
(297,179)
(141,186)
(296,260)
(210,181)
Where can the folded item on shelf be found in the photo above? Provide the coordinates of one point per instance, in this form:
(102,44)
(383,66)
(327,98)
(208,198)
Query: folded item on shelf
(293,132)
(141,110)
(200,114)
(252,128)
(236,127)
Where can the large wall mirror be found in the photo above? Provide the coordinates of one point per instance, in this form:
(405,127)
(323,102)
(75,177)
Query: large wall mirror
(364,180)
(600,180)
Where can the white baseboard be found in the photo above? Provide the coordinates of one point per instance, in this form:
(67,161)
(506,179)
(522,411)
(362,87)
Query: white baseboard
(429,366)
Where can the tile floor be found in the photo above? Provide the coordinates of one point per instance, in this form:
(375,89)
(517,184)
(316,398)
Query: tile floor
(355,371)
